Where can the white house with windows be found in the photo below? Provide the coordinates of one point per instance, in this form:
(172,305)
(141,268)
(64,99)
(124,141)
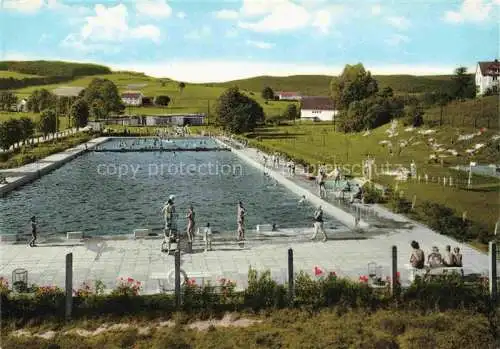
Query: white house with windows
(317,109)
(487,75)
(132,98)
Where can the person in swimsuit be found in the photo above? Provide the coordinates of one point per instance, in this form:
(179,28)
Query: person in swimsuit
(190,227)
(241,221)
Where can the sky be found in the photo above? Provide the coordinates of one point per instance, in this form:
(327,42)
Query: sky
(221,40)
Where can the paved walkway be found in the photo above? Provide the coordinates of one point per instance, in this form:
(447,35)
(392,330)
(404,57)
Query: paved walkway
(50,137)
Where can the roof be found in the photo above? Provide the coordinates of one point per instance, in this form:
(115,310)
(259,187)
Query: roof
(68,91)
(288,94)
(317,103)
(131,94)
(490,68)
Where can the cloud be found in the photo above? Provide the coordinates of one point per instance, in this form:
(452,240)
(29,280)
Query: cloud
(227,14)
(219,71)
(197,34)
(399,22)
(153,8)
(260,44)
(471,11)
(376,10)
(181,15)
(397,39)
(283,15)
(26,6)
(109,25)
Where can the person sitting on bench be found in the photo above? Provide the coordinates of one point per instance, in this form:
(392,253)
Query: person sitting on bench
(435,259)
(457,257)
(448,260)
(417,258)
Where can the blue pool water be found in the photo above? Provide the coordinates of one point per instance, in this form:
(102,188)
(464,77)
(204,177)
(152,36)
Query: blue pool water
(106,193)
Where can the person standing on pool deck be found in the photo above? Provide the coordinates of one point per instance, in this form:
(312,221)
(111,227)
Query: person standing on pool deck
(241,221)
(190,227)
(318,224)
(33,232)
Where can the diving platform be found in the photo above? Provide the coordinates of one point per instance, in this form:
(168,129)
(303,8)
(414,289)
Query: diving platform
(157,149)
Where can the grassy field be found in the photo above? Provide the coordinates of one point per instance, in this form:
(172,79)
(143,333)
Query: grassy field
(193,99)
(12,74)
(318,85)
(332,328)
(318,143)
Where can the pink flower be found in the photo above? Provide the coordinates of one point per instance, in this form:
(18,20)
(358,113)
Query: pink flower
(317,271)
(130,280)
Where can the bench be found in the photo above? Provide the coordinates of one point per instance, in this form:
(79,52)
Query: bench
(8,238)
(141,233)
(413,272)
(74,235)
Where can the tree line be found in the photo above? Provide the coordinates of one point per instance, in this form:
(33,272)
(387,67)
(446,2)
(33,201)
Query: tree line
(54,68)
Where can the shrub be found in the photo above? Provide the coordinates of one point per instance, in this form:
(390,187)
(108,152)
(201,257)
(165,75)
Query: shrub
(372,195)
(400,204)
(127,287)
(263,292)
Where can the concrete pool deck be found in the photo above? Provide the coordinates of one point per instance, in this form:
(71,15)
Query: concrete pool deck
(348,253)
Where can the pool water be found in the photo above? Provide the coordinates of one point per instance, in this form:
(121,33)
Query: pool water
(156,143)
(114,193)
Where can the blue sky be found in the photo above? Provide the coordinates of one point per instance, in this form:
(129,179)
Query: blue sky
(218,40)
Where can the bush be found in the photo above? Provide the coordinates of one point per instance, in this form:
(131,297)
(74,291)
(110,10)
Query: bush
(263,292)
(400,204)
(372,195)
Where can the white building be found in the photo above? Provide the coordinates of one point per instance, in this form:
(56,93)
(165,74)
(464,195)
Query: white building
(288,96)
(317,109)
(487,74)
(132,98)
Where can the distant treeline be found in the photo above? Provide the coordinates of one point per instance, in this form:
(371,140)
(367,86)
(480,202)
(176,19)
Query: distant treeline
(49,72)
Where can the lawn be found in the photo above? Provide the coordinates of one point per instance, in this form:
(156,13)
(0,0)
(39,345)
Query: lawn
(331,328)
(192,99)
(318,143)
(12,74)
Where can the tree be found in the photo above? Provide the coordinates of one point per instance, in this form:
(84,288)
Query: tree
(7,99)
(291,112)
(48,122)
(237,112)
(386,92)
(97,109)
(79,113)
(40,100)
(107,93)
(354,84)
(463,84)
(27,127)
(182,86)
(414,115)
(267,93)
(10,133)
(162,100)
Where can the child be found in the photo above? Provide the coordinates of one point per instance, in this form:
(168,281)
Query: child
(207,237)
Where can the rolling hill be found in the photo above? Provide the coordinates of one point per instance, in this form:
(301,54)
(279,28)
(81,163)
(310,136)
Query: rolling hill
(318,85)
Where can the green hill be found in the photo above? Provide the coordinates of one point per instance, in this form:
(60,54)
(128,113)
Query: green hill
(53,68)
(319,85)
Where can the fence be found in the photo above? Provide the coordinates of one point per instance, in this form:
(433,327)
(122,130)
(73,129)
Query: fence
(392,282)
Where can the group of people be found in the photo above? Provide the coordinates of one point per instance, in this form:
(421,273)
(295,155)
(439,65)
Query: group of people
(435,259)
(171,231)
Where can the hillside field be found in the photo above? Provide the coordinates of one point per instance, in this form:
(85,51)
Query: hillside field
(319,85)
(15,75)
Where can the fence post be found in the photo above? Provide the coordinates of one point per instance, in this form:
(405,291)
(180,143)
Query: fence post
(493,270)
(177,266)
(413,202)
(291,280)
(69,285)
(394,269)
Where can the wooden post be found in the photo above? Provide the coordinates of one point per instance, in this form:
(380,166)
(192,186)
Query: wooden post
(493,270)
(69,285)
(290,276)
(464,216)
(413,202)
(496,228)
(394,269)
(177,265)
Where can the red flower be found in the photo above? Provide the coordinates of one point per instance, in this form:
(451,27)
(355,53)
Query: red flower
(317,271)
(333,274)
(130,280)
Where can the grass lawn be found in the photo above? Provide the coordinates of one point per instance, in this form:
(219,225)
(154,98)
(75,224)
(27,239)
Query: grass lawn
(193,99)
(12,74)
(331,328)
(320,143)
